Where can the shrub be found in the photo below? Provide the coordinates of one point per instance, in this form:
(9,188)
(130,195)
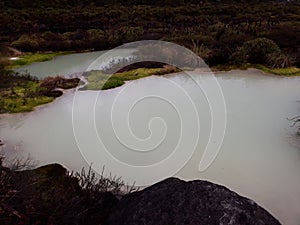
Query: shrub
(280,60)
(258,49)
(26,43)
(201,50)
(238,57)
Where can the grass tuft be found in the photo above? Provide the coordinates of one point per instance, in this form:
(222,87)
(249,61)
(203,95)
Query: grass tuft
(97,80)
(290,71)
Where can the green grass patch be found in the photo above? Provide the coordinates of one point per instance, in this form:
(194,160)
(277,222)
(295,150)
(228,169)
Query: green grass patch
(97,80)
(231,67)
(23,98)
(291,71)
(17,105)
(29,58)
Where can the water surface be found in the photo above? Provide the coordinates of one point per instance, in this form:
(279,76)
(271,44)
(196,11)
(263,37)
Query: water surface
(259,157)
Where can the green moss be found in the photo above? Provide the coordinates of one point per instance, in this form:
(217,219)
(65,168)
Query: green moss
(21,104)
(97,80)
(22,97)
(291,71)
(112,83)
(137,74)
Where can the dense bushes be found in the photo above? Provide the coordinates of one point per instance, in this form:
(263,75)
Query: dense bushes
(219,28)
(280,60)
(258,49)
(27,43)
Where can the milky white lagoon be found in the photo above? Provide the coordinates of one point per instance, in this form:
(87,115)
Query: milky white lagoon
(259,157)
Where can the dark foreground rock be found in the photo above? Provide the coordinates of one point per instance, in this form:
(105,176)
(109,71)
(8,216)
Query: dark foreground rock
(50,195)
(176,202)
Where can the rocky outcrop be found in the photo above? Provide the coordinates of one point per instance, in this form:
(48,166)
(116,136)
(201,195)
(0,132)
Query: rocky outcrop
(176,202)
(51,195)
(59,82)
(54,86)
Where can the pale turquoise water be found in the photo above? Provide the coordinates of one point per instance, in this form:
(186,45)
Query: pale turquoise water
(259,157)
(67,64)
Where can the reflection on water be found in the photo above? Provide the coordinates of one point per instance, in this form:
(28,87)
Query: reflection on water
(67,64)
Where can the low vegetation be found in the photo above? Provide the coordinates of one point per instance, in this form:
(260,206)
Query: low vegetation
(98,80)
(22,92)
(216,30)
(225,34)
(290,71)
(52,195)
